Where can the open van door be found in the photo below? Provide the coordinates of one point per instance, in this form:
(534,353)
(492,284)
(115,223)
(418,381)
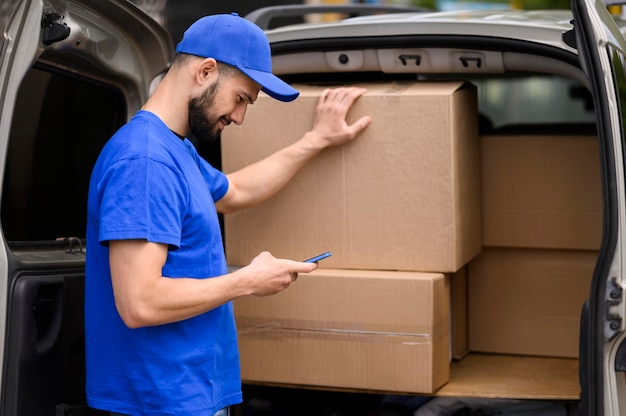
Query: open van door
(601,48)
(71,73)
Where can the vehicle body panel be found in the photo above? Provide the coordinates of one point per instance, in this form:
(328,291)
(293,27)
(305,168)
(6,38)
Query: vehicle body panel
(52,50)
(113,50)
(601,48)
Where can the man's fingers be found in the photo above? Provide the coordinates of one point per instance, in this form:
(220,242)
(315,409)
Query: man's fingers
(360,125)
(343,95)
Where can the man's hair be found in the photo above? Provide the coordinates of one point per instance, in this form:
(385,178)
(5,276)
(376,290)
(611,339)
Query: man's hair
(225,70)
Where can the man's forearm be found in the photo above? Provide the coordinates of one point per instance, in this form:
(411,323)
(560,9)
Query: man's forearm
(259,181)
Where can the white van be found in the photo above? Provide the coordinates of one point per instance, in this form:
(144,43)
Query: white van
(73,71)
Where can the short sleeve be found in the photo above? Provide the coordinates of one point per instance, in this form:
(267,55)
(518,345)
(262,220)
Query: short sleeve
(142,199)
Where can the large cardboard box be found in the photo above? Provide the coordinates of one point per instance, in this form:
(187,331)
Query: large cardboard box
(368,330)
(528,301)
(404,196)
(541,192)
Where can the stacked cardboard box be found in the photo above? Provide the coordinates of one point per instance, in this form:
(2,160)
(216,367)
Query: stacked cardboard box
(370,330)
(403,196)
(542,219)
(541,191)
(399,208)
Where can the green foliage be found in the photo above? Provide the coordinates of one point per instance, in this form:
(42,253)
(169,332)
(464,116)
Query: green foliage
(544,4)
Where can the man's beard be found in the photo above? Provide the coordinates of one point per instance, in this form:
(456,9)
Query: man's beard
(202,126)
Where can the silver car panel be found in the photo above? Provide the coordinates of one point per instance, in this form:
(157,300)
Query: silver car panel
(110,45)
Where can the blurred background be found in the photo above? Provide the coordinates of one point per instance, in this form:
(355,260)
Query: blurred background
(177,15)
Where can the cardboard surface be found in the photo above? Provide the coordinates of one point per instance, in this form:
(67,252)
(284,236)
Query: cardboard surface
(371,330)
(404,196)
(541,192)
(526,301)
(513,377)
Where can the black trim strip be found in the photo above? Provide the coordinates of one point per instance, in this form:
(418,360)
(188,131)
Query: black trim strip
(425,41)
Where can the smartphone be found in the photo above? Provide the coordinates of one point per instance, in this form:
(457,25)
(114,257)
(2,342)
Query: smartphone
(318,258)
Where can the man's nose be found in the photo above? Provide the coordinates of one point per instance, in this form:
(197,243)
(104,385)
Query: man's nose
(239,114)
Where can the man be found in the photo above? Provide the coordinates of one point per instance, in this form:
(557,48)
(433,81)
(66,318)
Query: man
(160,332)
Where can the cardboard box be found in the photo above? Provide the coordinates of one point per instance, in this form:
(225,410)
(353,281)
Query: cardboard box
(404,196)
(541,192)
(370,330)
(528,301)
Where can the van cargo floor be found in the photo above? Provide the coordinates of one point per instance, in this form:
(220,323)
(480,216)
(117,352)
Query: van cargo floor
(513,377)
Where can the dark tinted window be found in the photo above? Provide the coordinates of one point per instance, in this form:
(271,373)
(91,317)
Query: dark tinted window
(534,100)
(59,126)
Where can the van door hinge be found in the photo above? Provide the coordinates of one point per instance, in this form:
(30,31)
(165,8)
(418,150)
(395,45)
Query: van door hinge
(569,37)
(613,297)
(54,30)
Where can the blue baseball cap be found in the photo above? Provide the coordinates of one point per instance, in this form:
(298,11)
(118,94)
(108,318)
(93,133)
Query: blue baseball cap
(233,40)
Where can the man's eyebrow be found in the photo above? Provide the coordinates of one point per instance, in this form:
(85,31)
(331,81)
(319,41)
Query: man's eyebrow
(249,97)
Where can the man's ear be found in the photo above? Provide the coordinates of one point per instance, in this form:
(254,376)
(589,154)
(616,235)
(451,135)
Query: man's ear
(206,69)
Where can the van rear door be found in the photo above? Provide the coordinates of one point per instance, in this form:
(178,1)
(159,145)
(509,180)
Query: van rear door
(71,72)
(601,48)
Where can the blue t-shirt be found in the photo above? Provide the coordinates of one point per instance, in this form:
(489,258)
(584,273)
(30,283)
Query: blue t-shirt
(148,184)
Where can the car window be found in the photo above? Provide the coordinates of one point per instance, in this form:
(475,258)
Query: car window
(534,100)
(59,125)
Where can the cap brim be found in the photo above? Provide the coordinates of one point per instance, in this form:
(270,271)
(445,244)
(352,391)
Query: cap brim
(272,85)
